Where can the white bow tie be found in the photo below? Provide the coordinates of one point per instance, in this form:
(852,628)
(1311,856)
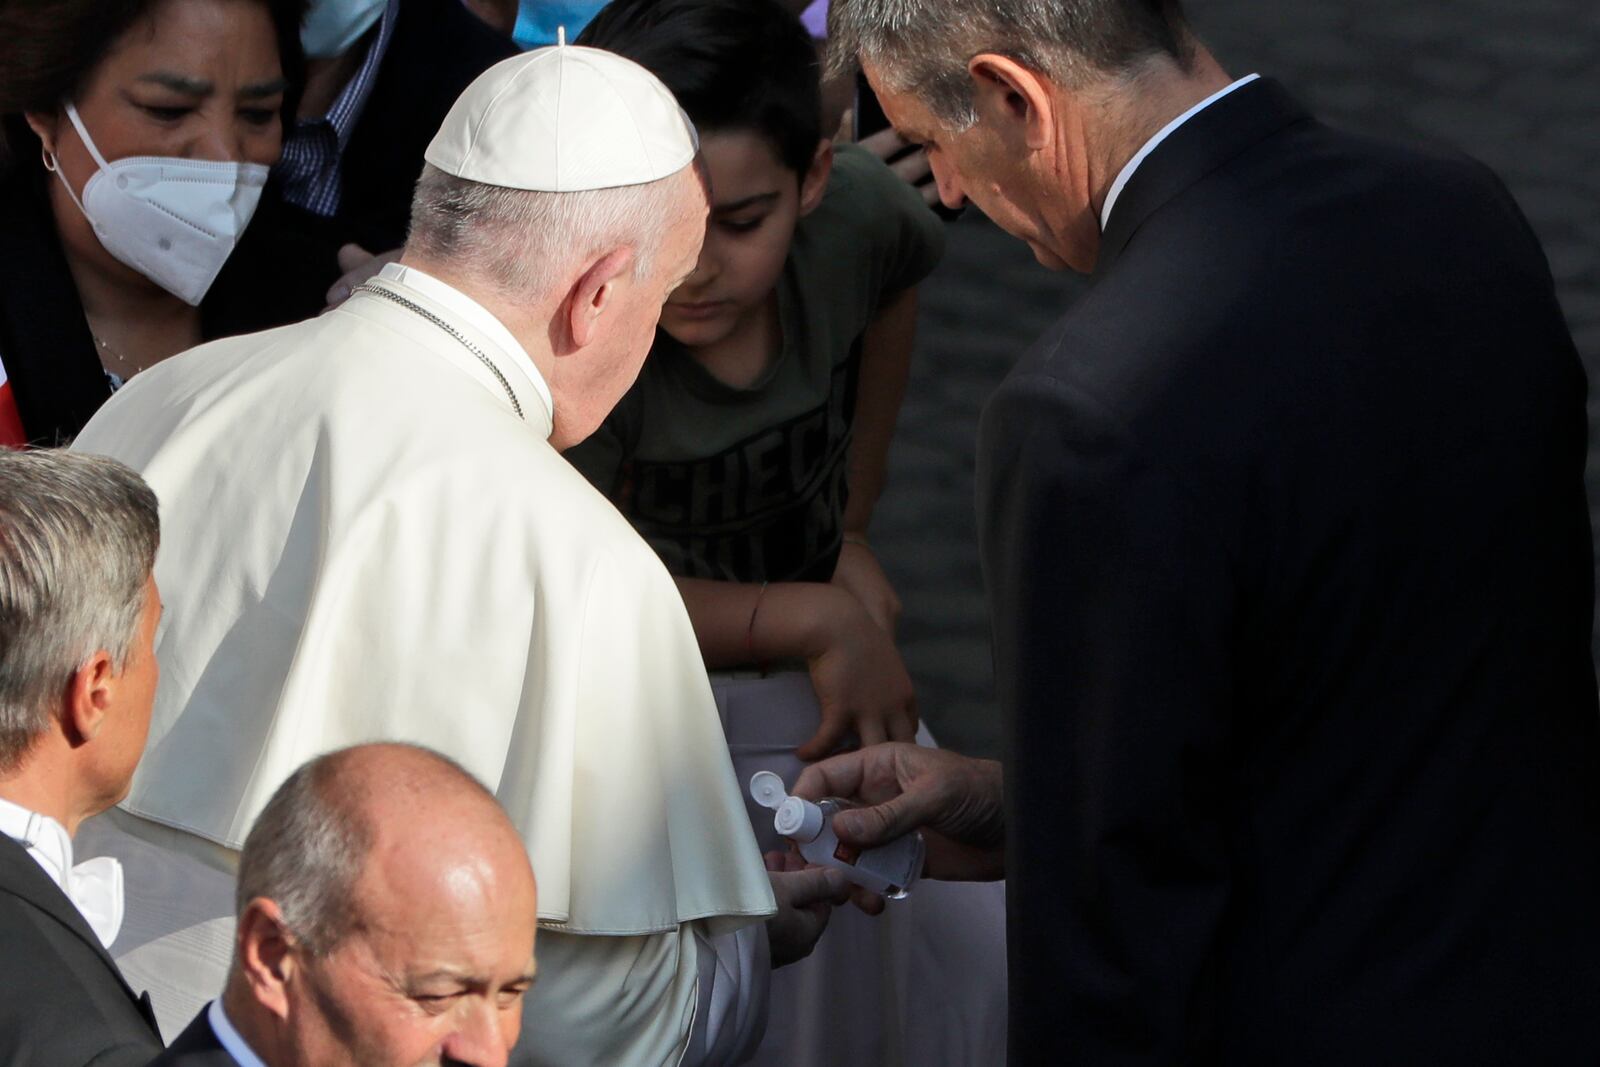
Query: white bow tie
(94,886)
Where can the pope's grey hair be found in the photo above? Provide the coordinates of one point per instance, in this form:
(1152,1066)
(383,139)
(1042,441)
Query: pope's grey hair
(310,843)
(923,46)
(528,242)
(78,539)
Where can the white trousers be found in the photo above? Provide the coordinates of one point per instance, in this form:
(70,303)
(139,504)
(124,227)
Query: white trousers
(924,984)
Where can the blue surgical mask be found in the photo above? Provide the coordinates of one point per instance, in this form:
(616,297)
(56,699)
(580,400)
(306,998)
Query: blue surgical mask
(332,26)
(538,20)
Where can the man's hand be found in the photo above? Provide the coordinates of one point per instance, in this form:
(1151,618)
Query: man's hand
(859,572)
(957,803)
(805,901)
(358,265)
(862,686)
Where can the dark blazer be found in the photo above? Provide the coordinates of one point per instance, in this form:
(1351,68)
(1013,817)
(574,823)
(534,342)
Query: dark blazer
(63,1002)
(197,1046)
(437,48)
(1289,559)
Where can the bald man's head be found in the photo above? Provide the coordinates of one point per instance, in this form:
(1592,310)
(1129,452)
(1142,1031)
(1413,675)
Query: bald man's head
(386,915)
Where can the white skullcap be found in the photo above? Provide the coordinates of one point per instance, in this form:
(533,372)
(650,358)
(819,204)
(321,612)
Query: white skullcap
(564,119)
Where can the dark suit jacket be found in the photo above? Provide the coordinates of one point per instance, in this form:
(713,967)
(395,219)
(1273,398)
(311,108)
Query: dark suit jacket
(197,1046)
(438,47)
(63,1003)
(1289,559)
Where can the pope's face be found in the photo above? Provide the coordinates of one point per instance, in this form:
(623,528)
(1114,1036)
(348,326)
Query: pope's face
(604,371)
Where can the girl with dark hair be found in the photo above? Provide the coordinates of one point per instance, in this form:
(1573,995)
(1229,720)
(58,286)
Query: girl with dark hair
(137,137)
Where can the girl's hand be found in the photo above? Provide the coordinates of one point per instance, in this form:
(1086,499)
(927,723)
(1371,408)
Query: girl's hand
(861,683)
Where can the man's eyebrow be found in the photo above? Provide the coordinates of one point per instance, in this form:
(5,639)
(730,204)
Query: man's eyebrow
(749,201)
(179,83)
(474,981)
(261,90)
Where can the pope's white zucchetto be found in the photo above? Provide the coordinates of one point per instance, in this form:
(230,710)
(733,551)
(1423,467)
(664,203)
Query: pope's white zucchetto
(564,119)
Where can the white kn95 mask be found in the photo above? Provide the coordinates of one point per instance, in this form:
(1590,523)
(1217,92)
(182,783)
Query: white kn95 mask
(173,220)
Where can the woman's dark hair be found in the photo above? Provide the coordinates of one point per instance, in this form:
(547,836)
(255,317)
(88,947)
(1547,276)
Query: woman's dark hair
(734,65)
(48,49)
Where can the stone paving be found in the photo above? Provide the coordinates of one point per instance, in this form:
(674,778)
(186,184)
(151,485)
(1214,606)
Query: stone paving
(1514,82)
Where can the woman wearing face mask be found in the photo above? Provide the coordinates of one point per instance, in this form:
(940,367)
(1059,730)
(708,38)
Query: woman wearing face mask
(136,140)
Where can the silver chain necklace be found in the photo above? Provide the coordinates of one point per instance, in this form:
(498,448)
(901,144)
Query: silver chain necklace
(391,295)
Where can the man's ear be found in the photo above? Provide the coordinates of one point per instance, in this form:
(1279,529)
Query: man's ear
(265,951)
(1014,99)
(591,295)
(814,182)
(90,693)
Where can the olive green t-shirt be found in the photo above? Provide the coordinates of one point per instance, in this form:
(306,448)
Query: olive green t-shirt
(748,484)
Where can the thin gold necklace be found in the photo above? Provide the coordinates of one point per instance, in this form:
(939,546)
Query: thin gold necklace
(126,368)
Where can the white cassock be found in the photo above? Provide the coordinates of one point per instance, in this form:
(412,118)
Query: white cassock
(362,540)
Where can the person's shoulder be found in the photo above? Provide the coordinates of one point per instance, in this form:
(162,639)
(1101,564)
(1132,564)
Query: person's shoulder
(871,233)
(865,197)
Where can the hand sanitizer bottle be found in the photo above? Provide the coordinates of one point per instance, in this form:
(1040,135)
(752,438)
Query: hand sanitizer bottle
(888,870)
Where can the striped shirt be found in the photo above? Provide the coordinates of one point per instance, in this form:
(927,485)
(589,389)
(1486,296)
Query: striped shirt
(310,166)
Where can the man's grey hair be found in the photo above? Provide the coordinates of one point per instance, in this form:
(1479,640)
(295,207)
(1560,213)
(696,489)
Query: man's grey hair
(526,242)
(309,845)
(78,539)
(923,46)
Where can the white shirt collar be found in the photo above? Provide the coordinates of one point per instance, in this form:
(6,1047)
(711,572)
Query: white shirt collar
(94,886)
(1153,143)
(236,1045)
(479,317)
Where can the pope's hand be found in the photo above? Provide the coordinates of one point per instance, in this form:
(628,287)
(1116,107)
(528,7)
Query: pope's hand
(358,265)
(805,901)
(957,803)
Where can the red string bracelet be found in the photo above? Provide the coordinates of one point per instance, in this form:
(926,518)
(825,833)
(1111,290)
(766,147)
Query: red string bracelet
(750,632)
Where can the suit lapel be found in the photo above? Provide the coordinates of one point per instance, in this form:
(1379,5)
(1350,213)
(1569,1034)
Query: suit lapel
(22,877)
(198,1045)
(1200,146)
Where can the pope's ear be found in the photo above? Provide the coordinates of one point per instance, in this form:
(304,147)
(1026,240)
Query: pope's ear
(592,295)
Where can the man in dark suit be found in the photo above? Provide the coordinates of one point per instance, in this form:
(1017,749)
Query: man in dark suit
(78,614)
(386,916)
(1289,563)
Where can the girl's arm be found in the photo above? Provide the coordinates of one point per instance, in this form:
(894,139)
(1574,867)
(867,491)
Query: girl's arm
(860,681)
(885,368)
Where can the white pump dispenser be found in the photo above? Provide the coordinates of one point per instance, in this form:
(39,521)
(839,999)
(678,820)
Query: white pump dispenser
(888,870)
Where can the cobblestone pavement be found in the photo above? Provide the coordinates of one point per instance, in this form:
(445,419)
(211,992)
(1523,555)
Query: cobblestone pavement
(1514,82)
